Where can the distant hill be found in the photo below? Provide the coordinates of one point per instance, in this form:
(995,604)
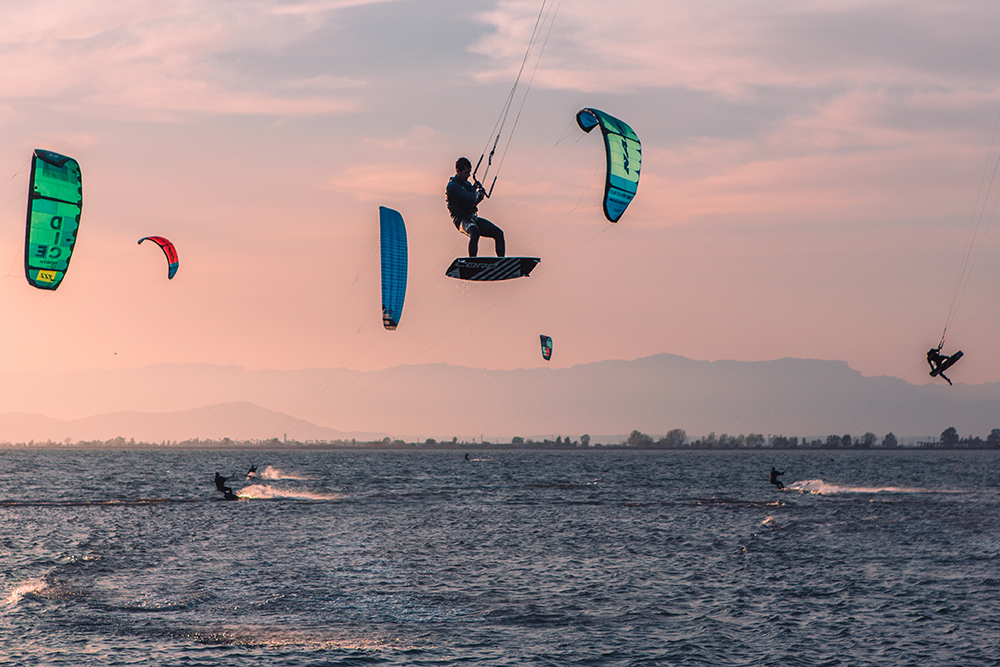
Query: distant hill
(793,397)
(236,421)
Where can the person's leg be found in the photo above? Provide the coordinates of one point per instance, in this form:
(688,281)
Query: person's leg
(488,229)
(473,241)
(471,229)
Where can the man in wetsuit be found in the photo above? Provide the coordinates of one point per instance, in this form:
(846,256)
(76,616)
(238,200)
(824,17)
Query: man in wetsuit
(775,480)
(463,200)
(220,484)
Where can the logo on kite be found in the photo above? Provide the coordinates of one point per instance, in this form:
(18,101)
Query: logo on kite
(169,251)
(392,241)
(546,347)
(55,202)
(624,156)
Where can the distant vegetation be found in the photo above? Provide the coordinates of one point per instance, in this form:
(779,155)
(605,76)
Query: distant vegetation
(675,439)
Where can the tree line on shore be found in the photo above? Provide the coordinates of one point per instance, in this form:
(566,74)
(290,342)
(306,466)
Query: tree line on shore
(674,439)
(677,439)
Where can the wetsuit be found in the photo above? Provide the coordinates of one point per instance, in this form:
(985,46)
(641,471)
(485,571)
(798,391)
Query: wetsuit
(463,204)
(775,480)
(936,360)
(220,484)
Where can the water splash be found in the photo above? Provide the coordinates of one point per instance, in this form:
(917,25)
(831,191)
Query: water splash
(822,488)
(268,492)
(29,587)
(272,473)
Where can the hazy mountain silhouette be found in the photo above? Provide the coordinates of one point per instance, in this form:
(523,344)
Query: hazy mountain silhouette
(236,421)
(654,394)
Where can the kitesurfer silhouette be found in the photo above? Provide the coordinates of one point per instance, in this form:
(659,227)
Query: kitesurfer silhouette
(220,484)
(253,471)
(463,200)
(775,480)
(940,363)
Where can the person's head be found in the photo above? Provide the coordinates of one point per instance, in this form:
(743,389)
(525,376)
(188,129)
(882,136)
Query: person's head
(463,168)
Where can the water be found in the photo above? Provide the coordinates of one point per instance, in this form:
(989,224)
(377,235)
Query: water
(511,558)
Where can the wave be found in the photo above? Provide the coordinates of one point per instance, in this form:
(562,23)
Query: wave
(822,488)
(268,492)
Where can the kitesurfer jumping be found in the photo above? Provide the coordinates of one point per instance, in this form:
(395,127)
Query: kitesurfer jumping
(937,361)
(775,480)
(463,200)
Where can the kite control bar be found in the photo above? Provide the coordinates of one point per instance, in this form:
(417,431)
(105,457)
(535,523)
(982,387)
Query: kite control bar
(479,186)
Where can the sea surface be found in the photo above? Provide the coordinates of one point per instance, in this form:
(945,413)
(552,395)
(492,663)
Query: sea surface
(508,558)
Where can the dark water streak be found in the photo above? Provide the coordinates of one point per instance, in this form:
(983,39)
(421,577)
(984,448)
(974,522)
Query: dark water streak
(541,558)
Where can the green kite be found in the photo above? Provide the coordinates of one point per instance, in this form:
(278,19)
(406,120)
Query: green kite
(55,201)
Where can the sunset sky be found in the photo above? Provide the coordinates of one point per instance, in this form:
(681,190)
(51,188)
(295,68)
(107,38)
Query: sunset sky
(810,181)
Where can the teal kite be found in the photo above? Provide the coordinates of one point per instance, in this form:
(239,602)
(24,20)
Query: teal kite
(624,159)
(55,201)
(392,241)
(546,346)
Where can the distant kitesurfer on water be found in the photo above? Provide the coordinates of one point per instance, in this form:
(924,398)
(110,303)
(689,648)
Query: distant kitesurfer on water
(939,363)
(463,200)
(466,456)
(775,480)
(220,484)
(252,472)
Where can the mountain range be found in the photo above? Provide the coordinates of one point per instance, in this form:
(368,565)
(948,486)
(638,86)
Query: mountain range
(792,397)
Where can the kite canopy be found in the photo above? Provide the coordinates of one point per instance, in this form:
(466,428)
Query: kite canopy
(168,250)
(55,201)
(624,159)
(392,235)
(546,347)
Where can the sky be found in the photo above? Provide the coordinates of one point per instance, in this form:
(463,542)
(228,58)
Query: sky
(815,181)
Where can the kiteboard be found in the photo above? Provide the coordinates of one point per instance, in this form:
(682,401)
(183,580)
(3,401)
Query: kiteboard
(946,364)
(491,268)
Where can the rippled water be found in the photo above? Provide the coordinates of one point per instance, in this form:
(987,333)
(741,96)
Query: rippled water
(547,558)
